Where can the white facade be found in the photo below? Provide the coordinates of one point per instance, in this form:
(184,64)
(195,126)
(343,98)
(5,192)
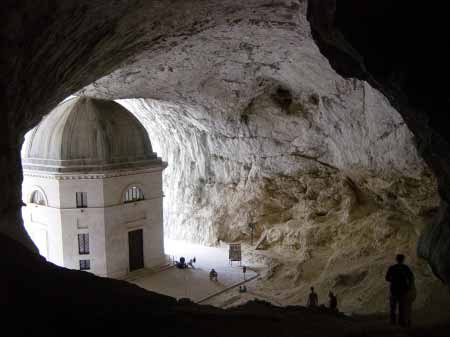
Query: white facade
(54,227)
(106,231)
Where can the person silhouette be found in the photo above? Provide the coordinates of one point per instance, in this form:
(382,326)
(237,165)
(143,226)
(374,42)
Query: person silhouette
(313,299)
(213,275)
(182,263)
(332,301)
(401,280)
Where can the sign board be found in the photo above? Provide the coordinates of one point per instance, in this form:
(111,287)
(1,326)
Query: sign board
(235,252)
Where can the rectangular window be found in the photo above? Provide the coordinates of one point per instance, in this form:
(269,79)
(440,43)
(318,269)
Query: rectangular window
(81,198)
(83,244)
(85,264)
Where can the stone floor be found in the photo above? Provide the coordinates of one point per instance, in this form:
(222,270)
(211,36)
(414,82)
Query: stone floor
(193,283)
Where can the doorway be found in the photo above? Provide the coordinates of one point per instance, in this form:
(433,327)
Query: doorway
(136,249)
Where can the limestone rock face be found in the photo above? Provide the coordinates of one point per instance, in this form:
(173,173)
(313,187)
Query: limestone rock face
(257,127)
(350,36)
(315,221)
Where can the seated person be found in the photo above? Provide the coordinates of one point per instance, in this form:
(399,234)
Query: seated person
(191,264)
(213,275)
(182,263)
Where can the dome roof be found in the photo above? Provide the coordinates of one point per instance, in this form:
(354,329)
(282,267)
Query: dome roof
(86,134)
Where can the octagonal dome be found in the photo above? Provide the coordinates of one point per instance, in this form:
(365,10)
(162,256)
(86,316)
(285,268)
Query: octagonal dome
(86,134)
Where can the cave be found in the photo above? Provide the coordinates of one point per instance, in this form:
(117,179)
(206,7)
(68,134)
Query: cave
(321,123)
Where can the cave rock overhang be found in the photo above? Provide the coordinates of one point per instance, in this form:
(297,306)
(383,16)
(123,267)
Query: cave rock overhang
(100,52)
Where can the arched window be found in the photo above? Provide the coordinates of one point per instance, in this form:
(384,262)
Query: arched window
(134,193)
(37,198)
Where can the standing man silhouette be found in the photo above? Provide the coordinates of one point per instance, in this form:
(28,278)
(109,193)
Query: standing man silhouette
(332,301)
(401,279)
(313,299)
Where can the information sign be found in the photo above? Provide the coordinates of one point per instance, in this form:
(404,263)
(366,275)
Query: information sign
(235,252)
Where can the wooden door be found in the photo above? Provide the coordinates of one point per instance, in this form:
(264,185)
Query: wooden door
(136,249)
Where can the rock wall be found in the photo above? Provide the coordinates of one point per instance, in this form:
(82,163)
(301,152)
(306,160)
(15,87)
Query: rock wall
(258,127)
(328,199)
(220,170)
(349,34)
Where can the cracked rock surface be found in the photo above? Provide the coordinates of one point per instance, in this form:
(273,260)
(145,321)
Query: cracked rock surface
(257,127)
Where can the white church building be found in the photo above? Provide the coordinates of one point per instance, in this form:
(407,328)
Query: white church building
(93,189)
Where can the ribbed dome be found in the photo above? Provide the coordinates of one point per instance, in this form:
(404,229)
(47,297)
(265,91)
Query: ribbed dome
(87,134)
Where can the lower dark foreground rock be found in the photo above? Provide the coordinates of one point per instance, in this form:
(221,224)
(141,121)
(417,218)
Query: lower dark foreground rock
(41,299)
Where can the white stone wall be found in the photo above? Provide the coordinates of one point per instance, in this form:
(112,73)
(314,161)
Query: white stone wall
(43,223)
(121,218)
(55,228)
(49,187)
(69,187)
(83,220)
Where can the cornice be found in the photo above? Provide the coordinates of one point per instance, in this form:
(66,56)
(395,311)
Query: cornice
(97,175)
